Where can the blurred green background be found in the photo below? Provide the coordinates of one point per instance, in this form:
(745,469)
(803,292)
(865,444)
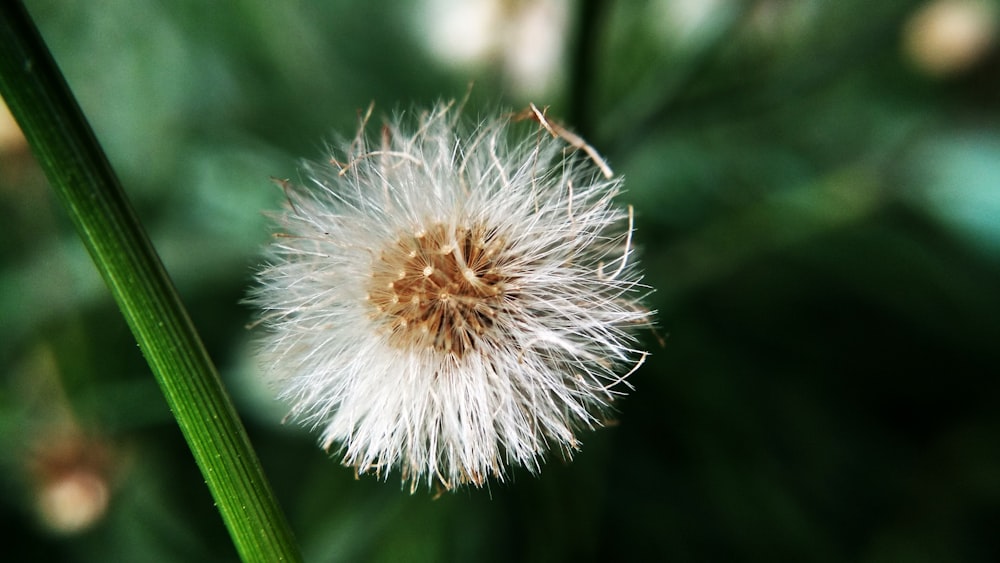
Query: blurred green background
(817,187)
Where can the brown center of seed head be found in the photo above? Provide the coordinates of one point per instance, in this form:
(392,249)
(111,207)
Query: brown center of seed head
(441,287)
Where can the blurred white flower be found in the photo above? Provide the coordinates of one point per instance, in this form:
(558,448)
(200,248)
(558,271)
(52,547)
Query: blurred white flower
(448,299)
(947,37)
(525,38)
(461,32)
(11,139)
(72,475)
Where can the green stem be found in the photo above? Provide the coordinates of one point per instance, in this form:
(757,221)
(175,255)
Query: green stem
(590,14)
(77,168)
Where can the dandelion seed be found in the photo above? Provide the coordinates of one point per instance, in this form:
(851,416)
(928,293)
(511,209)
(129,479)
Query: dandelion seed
(439,305)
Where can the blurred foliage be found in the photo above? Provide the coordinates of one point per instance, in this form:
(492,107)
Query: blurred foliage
(818,210)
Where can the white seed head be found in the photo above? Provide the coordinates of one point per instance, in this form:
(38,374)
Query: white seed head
(452,300)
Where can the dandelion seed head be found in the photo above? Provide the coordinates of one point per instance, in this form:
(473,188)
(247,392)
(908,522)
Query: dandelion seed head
(446,289)
(450,299)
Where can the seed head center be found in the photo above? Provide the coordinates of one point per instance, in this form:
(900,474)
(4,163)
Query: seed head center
(441,287)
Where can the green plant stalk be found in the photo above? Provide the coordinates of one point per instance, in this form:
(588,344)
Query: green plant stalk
(78,170)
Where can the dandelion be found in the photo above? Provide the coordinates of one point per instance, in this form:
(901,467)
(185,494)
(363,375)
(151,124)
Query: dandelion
(450,299)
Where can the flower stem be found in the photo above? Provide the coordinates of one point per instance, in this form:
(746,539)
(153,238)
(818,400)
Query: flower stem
(590,14)
(78,170)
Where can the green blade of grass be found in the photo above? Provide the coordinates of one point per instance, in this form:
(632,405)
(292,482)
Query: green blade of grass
(65,146)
